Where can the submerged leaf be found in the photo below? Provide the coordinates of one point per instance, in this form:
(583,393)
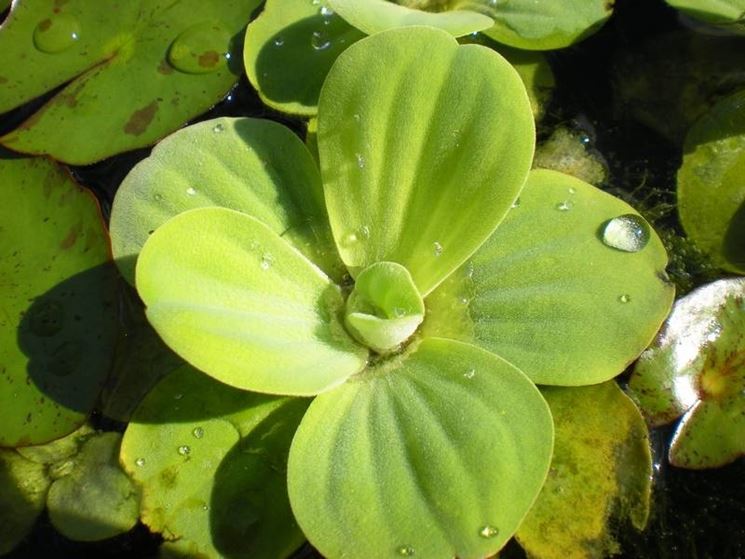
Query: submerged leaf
(407,176)
(236,301)
(697,367)
(437,453)
(58,321)
(137,70)
(711,193)
(600,475)
(550,294)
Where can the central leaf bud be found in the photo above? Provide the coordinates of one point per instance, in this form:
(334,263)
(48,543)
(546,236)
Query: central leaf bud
(385,307)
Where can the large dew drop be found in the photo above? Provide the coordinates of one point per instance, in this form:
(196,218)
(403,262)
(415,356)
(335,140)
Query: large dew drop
(629,233)
(56,34)
(200,49)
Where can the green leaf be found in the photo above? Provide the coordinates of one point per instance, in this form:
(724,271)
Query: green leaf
(58,322)
(546,24)
(236,301)
(384,308)
(254,166)
(401,141)
(221,497)
(289,50)
(549,295)
(23,493)
(696,367)
(438,453)
(374,16)
(711,194)
(135,77)
(600,475)
(712,11)
(96,500)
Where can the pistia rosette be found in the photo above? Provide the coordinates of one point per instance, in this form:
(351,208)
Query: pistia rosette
(368,283)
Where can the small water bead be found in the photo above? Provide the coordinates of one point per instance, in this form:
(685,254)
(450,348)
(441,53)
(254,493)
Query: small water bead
(488,531)
(325,11)
(279,41)
(470,373)
(319,40)
(200,49)
(516,203)
(349,239)
(191,191)
(157,197)
(140,462)
(572,190)
(178,396)
(405,551)
(629,233)
(266,261)
(56,34)
(360,160)
(315,2)
(564,206)
(625,298)
(437,248)
(197,432)
(217,128)
(205,507)
(184,450)
(364,232)
(356,117)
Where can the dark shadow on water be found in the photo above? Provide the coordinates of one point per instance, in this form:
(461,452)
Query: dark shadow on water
(68,334)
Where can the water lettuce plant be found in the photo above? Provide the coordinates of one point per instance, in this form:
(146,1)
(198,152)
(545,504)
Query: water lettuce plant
(378,285)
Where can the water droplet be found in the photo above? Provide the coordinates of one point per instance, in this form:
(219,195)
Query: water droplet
(364,232)
(178,396)
(437,248)
(140,462)
(205,507)
(184,450)
(470,373)
(405,551)
(191,191)
(629,233)
(463,300)
(315,2)
(198,432)
(398,312)
(349,239)
(572,190)
(488,531)
(319,40)
(200,49)
(625,298)
(157,197)
(56,34)
(325,11)
(564,206)
(516,203)
(356,117)
(46,317)
(360,160)
(266,261)
(217,128)
(279,41)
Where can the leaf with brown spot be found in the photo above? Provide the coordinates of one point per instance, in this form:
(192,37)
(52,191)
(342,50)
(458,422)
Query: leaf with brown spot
(115,69)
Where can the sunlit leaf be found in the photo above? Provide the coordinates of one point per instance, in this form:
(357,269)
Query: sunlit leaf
(417,179)
(139,70)
(550,292)
(697,367)
(600,476)
(289,50)
(438,453)
(236,301)
(203,487)
(57,322)
(254,166)
(711,193)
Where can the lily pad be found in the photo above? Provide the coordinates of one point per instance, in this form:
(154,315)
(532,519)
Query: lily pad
(211,462)
(567,308)
(132,78)
(697,367)
(383,145)
(255,314)
(544,24)
(23,493)
(96,500)
(255,166)
(711,194)
(290,48)
(393,462)
(58,323)
(600,476)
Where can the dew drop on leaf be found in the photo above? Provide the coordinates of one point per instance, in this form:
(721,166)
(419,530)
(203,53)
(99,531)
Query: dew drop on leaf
(217,128)
(191,191)
(564,206)
(266,261)
(405,551)
(140,462)
(437,248)
(198,432)
(279,41)
(56,34)
(184,450)
(488,531)
(200,49)
(470,373)
(516,203)
(624,298)
(360,160)
(629,233)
